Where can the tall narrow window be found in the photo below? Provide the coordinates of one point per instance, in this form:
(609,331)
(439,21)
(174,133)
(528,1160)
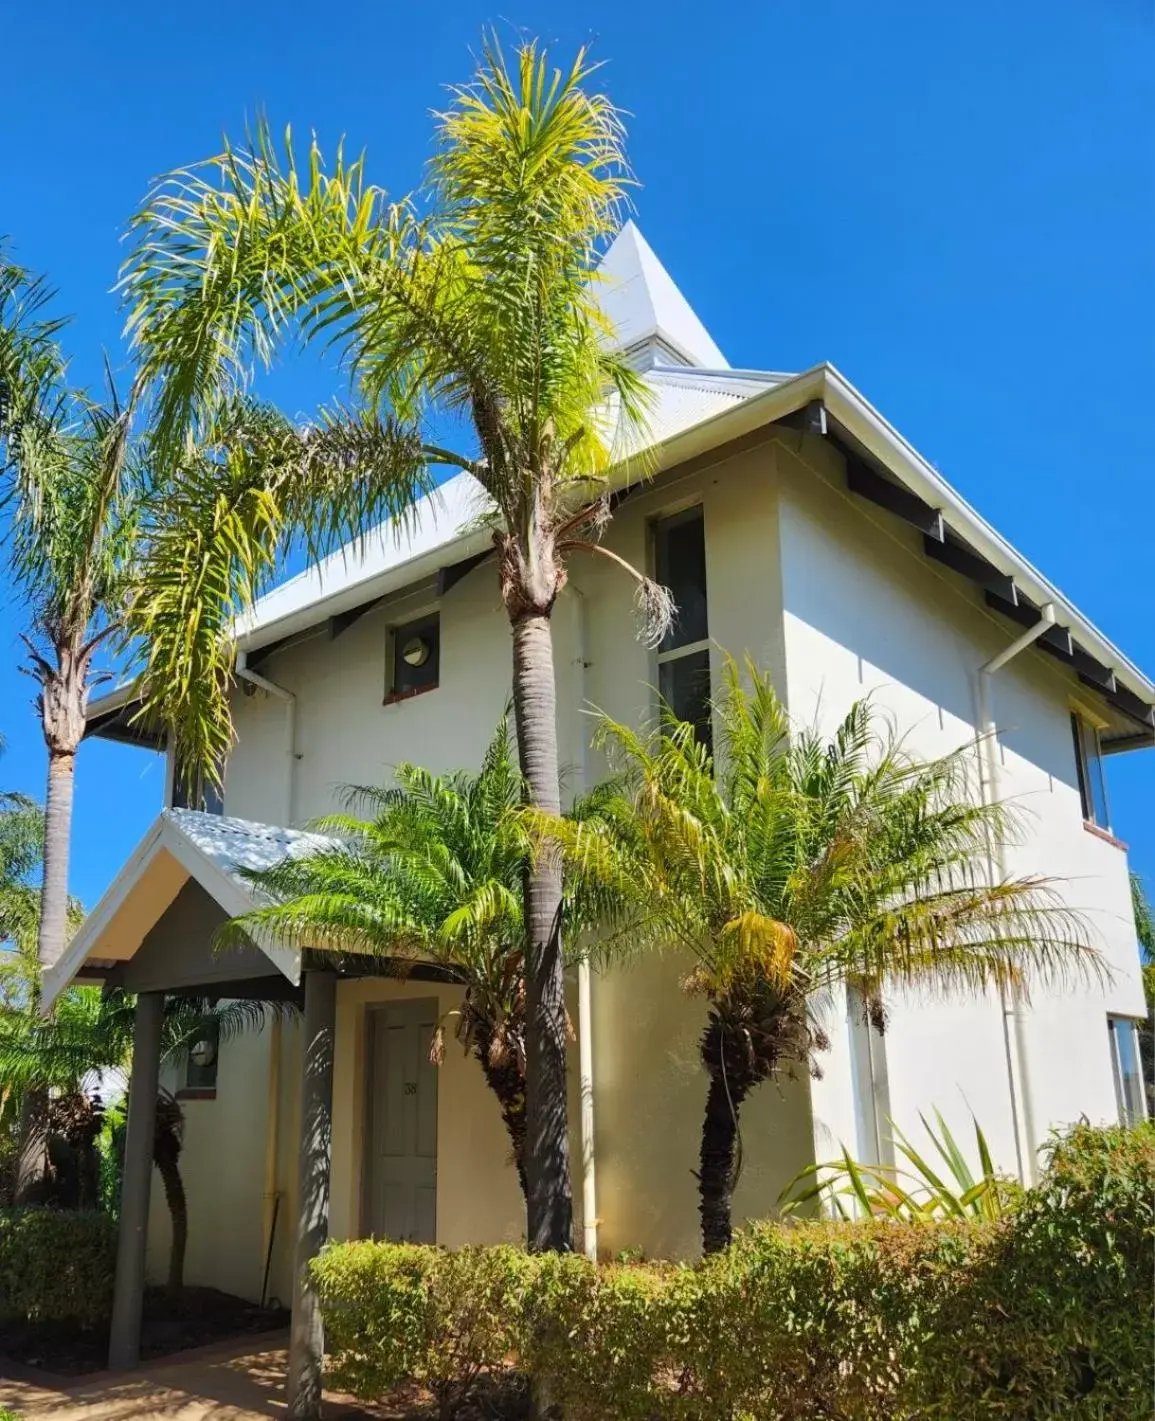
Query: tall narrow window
(684,655)
(1127,1071)
(1089,763)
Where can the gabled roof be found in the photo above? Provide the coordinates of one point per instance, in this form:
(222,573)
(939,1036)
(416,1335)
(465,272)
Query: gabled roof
(180,845)
(698,405)
(648,312)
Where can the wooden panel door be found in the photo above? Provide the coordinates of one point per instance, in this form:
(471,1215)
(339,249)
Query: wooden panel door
(401,1118)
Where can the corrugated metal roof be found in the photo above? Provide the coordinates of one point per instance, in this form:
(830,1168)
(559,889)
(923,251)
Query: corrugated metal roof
(233,845)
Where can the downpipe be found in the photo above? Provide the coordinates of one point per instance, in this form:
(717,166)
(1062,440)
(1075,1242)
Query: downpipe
(990,792)
(254,678)
(585,979)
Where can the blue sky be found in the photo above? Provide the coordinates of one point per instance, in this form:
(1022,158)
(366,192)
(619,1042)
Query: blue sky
(954,204)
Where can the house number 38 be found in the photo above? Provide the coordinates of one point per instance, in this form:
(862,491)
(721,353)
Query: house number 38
(410,1087)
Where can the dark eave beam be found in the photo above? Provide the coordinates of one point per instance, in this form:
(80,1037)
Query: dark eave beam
(1118,744)
(960,557)
(451,575)
(344,620)
(864,481)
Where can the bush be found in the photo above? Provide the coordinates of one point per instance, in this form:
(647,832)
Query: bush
(404,1312)
(56,1265)
(1044,1313)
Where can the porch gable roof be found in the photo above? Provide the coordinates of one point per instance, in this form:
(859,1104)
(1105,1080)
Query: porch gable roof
(181,846)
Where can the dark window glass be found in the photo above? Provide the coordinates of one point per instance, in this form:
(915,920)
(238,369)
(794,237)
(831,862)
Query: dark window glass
(1127,1070)
(680,565)
(684,684)
(1089,763)
(416,656)
(201,1068)
(204,795)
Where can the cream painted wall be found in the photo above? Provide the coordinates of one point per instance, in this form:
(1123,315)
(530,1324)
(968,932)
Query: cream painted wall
(223,1168)
(836,602)
(867,613)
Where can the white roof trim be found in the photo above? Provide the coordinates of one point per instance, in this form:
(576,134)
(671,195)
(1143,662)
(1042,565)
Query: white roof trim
(176,831)
(343,583)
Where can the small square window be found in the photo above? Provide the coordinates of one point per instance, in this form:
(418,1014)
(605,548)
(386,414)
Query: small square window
(1089,765)
(1126,1070)
(416,657)
(202,1060)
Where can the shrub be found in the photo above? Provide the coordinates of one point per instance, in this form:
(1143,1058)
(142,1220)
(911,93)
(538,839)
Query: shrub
(1043,1313)
(397,1313)
(56,1265)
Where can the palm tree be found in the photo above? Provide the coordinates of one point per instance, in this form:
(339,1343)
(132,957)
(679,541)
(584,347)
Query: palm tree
(475,298)
(436,875)
(69,491)
(794,864)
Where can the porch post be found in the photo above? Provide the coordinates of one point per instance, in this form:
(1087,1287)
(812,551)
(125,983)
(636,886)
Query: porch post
(132,1244)
(306,1338)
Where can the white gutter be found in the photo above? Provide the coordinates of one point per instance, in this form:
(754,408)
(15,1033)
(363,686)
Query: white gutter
(585,976)
(990,791)
(254,678)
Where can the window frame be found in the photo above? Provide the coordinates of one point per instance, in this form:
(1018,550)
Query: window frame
(692,512)
(202,1088)
(1090,769)
(1130,1112)
(396,634)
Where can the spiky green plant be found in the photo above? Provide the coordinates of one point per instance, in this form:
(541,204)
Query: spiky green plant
(472,302)
(917,1192)
(434,874)
(795,863)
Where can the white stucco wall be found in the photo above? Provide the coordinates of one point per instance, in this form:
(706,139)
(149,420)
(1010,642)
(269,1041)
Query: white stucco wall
(867,614)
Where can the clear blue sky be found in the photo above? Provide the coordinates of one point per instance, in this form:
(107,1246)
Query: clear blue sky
(954,204)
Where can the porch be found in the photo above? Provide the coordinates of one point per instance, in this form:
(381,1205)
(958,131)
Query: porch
(152,934)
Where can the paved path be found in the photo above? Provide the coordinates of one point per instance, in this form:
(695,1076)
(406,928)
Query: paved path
(217,1384)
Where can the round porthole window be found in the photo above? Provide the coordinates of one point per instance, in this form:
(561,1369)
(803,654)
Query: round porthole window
(415,652)
(203,1053)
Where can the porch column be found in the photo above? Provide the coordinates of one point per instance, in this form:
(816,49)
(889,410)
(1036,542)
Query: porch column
(306,1338)
(132,1244)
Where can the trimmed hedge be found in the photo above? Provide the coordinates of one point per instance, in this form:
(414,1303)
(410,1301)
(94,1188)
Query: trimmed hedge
(56,1265)
(1045,1313)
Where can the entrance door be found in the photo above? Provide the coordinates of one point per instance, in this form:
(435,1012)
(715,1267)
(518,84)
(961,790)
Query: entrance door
(401,1166)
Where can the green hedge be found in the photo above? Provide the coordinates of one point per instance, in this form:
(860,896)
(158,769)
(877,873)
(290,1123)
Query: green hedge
(56,1265)
(1046,1313)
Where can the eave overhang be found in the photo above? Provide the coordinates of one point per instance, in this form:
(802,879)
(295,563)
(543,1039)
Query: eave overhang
(881,466)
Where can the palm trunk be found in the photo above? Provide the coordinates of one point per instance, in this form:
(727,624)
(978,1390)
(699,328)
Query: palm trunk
(53,933)
(33,1151)
(174,1196)
(506,1081)
(729,1086)
(549,1199)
